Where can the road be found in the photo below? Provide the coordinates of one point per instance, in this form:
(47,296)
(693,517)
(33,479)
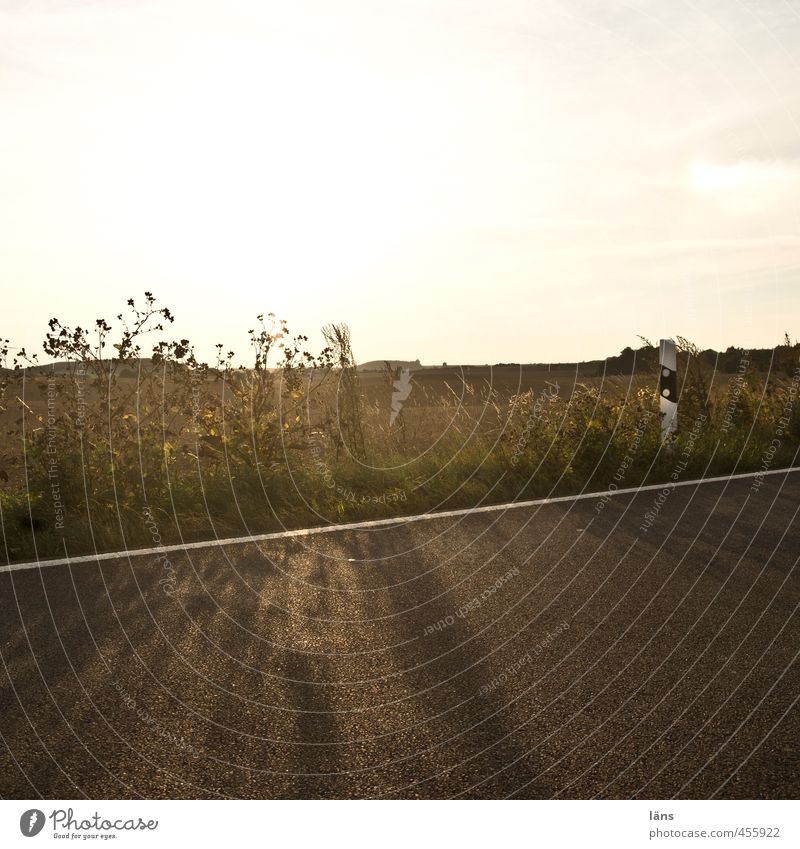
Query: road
(551,651)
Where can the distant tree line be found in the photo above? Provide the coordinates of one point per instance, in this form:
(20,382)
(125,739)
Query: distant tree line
(729,361)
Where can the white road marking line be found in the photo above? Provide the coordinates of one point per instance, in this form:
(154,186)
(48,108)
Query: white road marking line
(380,523)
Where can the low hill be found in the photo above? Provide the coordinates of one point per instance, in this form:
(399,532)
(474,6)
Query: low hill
(380,365)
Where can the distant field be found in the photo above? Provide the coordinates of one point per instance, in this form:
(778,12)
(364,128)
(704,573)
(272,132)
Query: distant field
(439,398)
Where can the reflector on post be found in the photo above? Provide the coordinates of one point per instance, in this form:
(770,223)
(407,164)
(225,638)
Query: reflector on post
(668,386)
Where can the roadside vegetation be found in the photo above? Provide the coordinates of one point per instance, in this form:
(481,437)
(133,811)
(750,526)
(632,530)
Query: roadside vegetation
(130,440)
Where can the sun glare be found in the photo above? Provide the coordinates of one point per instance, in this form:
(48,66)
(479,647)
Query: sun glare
(710,177)
(299,185)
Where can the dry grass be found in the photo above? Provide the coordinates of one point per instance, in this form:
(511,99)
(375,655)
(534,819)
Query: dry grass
(107,454)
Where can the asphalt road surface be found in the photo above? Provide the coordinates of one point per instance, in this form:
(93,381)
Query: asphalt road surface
(555,651)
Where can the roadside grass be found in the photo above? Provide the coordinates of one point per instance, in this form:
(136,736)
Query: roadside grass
(108,454)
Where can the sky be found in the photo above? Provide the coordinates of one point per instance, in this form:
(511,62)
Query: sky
(457,180)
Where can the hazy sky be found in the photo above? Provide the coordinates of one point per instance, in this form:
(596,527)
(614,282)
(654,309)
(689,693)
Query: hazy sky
(461,180)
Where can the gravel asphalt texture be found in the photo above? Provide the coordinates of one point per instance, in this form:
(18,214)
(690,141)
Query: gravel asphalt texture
(554,651)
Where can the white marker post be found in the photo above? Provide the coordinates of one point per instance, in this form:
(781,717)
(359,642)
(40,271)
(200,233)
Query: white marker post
(668,387)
